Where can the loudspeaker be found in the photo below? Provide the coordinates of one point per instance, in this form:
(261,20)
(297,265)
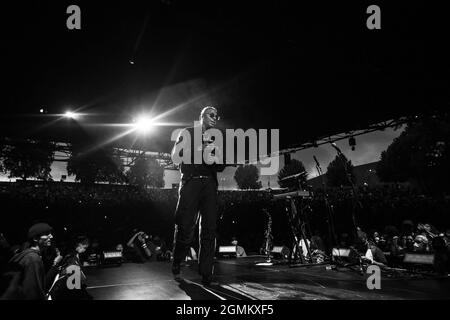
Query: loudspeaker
(341,252)
(111,257)
(227,251)
(345,255)
(280,252)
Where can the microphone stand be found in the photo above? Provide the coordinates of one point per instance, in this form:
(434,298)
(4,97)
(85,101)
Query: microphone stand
(356,204)
(331,231)
(298,223)
(355,199)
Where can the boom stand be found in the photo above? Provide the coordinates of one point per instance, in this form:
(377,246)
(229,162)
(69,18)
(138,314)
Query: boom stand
(356,205)
(296,252)
(298,222)
(331,228)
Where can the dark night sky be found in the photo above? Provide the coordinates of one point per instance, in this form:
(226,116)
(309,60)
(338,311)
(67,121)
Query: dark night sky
(309,70)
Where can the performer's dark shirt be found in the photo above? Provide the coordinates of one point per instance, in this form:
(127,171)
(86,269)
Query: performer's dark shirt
(192,170)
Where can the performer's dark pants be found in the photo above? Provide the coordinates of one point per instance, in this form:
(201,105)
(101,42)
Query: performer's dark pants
(197,195)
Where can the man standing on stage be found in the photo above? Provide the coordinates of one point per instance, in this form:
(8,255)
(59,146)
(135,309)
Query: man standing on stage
(197,195)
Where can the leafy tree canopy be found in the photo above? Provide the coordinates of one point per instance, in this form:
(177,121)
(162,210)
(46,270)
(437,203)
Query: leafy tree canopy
(28,159)
(247,177)
(98,165)
(146,172)
(420,154)
(338,171)
(294,167)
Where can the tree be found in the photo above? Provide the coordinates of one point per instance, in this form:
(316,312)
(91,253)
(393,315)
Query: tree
(99,165)
(294,167)
(146,172)
(337,172)
(420,154)
(247,177)
(28,159)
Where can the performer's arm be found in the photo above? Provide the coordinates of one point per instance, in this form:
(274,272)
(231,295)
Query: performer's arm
(130,243)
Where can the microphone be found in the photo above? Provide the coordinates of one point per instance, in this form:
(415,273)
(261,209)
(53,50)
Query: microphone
(317,162)
(336,147)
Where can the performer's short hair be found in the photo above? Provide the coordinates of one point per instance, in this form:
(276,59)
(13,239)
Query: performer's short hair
(202,113)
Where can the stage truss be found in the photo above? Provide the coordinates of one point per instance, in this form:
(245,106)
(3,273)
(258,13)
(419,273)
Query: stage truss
(129,156)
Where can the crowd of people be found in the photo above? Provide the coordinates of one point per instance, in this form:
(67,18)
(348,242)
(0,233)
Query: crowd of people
(391,220)
(38,270)
(390,245)
(391,204)
(45,268)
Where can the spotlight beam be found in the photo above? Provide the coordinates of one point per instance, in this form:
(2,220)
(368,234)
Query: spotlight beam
(71,115)
(144,124)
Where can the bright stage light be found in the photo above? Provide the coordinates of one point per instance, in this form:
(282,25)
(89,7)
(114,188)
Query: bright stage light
(143,124)
(71,115)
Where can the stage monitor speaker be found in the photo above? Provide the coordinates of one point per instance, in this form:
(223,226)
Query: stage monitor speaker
(280,252)
(111,257)
(419,258)
(346,255)
(227,251)
(341,252)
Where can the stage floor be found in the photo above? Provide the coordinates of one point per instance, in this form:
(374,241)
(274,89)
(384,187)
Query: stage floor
(244,279)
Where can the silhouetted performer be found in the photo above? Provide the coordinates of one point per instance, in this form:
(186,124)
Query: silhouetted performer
(197,195)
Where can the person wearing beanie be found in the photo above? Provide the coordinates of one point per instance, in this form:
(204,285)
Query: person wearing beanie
(30,262)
